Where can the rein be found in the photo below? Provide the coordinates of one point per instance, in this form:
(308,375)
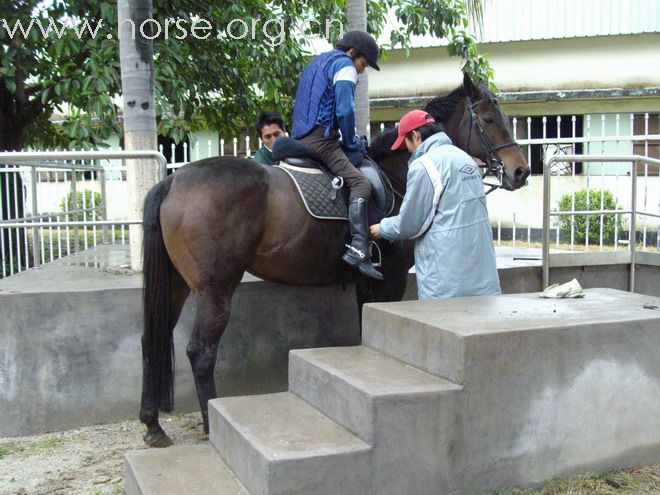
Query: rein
(494,163)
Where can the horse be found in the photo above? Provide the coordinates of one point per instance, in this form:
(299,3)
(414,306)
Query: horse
(214,219)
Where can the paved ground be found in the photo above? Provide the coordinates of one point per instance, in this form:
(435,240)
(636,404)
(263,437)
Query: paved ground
(82,461)
(89,461)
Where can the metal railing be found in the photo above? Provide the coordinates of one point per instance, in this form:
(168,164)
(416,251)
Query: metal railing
(64,227)
(593,258)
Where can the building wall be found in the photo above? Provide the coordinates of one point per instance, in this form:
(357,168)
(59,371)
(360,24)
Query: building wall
(615,71)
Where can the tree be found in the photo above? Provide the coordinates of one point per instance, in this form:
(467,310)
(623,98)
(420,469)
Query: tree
(216,64)
(357,19)
(356,12)
(217,68)
(137,77)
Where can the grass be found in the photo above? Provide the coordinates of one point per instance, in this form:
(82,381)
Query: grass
(638,481)
(116,489)
(6,449)
(14,447)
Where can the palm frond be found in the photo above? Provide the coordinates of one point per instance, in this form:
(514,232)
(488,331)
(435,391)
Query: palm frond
(475,10)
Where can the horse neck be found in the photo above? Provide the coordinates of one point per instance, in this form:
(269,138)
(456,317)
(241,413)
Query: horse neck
(456,129)
(395,167)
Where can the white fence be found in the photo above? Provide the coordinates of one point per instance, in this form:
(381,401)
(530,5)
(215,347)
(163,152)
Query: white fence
(517,217)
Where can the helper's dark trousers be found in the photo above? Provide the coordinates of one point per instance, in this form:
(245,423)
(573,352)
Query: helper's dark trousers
(334,158)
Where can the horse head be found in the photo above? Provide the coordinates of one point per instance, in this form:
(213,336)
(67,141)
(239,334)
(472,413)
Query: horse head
(476,123)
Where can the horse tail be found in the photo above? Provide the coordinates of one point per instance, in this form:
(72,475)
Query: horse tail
(157,339)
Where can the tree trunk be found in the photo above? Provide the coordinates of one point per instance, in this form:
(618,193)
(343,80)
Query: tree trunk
(137,79)
(357,19)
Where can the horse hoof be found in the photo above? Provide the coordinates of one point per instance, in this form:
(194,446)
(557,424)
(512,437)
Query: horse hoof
(157,439)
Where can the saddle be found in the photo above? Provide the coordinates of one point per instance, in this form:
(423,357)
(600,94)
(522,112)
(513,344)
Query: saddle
(317,188)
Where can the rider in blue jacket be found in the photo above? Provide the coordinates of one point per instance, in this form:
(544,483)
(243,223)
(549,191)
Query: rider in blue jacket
(325,105)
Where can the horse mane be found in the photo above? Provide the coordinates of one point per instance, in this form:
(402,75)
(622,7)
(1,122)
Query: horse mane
(380,146)
(440,108)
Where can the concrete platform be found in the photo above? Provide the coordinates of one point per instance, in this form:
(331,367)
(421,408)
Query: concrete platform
(78,321)
(548,388)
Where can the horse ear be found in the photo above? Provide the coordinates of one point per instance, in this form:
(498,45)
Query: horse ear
(470,88)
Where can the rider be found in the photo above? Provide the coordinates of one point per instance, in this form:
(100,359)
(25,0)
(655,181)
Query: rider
(444,210)
(324,105)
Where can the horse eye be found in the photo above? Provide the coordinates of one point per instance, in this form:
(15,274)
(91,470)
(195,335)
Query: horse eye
(488,118)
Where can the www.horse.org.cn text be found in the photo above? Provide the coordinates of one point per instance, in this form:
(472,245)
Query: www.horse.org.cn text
(272,32)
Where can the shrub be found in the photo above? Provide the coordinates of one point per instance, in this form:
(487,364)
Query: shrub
(610,221)
(67,205)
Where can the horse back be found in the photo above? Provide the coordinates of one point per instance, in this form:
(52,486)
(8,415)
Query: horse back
(225,215)
(213,218)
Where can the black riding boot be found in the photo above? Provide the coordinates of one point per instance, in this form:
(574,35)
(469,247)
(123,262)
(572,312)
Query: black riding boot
(357,255)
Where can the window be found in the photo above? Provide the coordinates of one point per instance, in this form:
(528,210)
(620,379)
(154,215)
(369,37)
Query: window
(555,126)
(646,125)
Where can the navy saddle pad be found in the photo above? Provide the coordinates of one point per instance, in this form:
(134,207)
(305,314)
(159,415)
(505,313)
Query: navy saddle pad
(315,183)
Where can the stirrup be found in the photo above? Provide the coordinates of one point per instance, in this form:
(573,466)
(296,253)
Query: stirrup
(378,263)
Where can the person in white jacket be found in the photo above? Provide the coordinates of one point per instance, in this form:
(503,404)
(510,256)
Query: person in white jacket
(444,210)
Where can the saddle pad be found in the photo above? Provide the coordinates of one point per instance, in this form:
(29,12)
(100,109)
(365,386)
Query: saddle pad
(315,188)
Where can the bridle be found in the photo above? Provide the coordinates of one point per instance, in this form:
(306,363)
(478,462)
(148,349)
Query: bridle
(494,163)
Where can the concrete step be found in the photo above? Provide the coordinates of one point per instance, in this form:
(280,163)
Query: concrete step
(184,470)
(277,444)
(416,333)
(348,383)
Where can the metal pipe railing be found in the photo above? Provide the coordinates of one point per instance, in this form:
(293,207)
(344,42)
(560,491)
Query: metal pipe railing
(634,160)
(37,161)
(24,157)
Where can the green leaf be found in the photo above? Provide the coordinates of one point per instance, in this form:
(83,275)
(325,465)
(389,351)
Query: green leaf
(219,84)
(44,95)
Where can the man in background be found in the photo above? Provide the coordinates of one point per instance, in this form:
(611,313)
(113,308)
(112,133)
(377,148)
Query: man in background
(269,127)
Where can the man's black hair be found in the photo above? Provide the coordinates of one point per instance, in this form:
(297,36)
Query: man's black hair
(356,54)
(267,118)
(427,130)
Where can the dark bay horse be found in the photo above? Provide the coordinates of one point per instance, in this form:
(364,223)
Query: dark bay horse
(215,219)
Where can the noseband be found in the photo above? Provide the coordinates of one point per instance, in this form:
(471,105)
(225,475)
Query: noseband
(494,163)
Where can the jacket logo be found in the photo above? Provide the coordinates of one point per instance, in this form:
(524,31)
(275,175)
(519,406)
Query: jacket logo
(467,169)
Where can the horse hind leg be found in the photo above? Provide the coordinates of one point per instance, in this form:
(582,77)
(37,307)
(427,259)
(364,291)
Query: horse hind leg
(156,436)
(211,318)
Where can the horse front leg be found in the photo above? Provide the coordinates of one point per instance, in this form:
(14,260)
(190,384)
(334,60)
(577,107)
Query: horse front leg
(212,316)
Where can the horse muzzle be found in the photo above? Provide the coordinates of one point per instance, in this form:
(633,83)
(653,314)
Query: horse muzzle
(512,180)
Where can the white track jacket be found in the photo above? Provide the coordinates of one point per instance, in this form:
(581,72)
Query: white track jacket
(444,210)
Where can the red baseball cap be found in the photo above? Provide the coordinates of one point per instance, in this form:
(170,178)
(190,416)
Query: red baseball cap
(409,122)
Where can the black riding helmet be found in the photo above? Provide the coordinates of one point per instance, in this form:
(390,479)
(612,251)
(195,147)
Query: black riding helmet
(363,43)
